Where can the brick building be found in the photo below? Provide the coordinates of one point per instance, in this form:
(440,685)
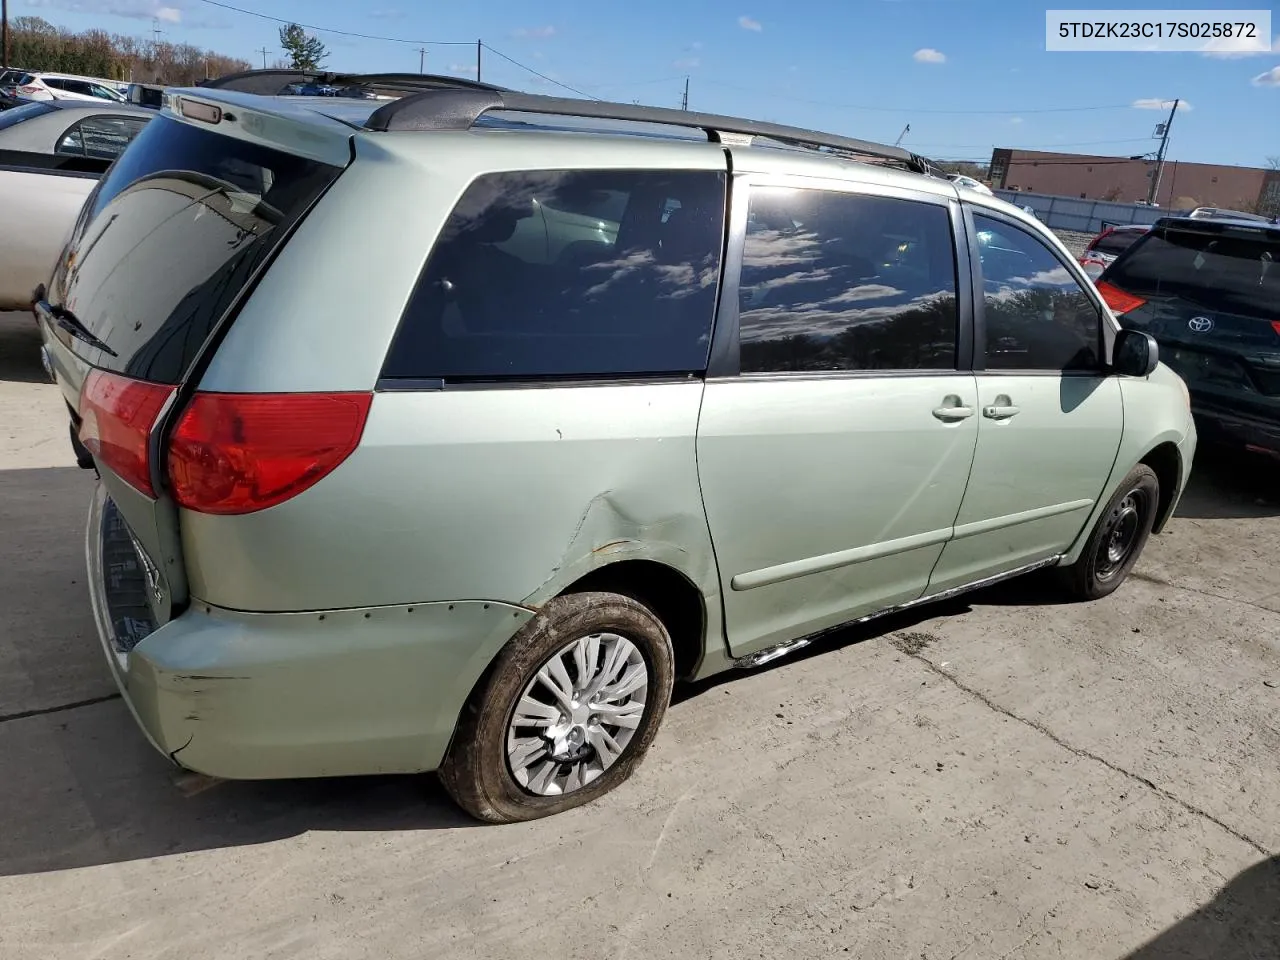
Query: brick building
(1182,185)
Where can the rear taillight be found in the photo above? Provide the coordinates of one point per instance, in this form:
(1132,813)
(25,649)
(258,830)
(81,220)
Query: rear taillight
(116,417)
(237,452)
(28,90)
(1275,325)
(1118,300)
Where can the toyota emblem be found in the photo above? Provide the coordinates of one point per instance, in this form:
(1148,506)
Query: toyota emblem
(1200,324)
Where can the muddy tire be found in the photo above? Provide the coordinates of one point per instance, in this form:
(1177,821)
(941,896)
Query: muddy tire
(1117,539)
(565,713)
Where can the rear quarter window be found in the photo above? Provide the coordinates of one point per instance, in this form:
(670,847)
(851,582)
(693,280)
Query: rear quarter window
(571,274)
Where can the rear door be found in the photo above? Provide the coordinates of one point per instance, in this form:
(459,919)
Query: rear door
(162,251)
(839,420)
(1051,415)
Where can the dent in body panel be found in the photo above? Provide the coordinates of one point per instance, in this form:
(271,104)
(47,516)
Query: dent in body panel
(506,494)
(610,530)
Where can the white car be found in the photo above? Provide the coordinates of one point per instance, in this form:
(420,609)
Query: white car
(66,86)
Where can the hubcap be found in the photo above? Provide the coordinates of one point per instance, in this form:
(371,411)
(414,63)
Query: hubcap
(577,715)
(1121,534)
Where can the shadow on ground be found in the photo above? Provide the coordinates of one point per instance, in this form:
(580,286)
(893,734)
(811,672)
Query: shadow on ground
(20,349)
(1231,484)
(1241,923)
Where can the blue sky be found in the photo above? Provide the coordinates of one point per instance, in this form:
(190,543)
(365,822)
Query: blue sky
(864,68)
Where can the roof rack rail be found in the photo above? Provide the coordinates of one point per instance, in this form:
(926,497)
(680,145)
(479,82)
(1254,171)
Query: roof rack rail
(459,109)
(273,83)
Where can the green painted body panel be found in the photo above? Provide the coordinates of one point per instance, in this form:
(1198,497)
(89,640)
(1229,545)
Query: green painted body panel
(1036,475)
(828,498)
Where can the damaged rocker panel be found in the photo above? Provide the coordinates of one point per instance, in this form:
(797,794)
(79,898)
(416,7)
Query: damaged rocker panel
(778,650)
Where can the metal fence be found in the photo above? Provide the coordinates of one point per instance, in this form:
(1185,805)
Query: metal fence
(1085,216)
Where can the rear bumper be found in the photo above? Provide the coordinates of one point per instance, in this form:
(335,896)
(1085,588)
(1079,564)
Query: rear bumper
(1218,423)
(319,693)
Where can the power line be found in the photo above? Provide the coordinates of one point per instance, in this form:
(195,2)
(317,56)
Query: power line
(419,43)
(341,33)
(1027,146)
(913,110)
(522,66)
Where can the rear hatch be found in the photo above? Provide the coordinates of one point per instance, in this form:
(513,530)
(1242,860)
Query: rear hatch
(1210,294)
(165,249)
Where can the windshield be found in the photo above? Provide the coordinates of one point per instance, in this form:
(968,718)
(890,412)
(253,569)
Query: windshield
(1217,271)
(36,108)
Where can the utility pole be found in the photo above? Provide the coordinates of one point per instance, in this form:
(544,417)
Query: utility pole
(422,59)
(1154,189)
(905,131)
(155,32)
(264,51)
(479,47)
(684,103)
(4,33)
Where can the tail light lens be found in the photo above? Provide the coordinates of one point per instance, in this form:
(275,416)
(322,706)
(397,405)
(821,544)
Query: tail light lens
(1275,325)
(28,90)
(1118,300)
(116,417)
(234,453)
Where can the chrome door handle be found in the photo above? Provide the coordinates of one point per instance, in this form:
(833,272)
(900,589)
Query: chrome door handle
(952,410)
(1000,412)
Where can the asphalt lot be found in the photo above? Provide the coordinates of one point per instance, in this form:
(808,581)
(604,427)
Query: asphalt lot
(1001,777)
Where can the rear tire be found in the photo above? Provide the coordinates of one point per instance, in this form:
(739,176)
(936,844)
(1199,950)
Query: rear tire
(1117,539)
(592,677)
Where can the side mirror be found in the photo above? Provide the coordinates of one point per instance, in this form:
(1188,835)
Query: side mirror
(1136,354)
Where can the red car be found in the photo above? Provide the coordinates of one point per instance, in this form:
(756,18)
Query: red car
(1108,245)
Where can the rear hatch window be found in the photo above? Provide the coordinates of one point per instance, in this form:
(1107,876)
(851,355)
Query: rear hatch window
(1233,272)
(171,236)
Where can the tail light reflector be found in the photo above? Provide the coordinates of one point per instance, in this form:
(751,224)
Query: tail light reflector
(116,417)
(1118,300)
(1275,325)
(234,453)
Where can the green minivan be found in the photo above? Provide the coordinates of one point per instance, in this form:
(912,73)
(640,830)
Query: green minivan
(611,397)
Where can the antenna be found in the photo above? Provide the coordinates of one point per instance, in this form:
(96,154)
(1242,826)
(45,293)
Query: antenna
(684,103)
(905,131)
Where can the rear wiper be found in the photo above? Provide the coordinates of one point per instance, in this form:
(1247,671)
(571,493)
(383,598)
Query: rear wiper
(69,322)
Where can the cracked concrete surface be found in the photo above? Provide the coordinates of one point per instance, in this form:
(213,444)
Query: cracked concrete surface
(999,777)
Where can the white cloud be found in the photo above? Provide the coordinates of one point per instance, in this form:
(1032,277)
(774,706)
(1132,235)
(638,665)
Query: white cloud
(929,55)
(1215,49)
(539,33)
(463,68)
(132,9)
(1152,103)
(688,63)
(1270,78)
(746,23)
(1015,119)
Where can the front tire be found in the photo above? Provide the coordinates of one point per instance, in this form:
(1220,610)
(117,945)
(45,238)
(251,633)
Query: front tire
(1117,539)
(567,711)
